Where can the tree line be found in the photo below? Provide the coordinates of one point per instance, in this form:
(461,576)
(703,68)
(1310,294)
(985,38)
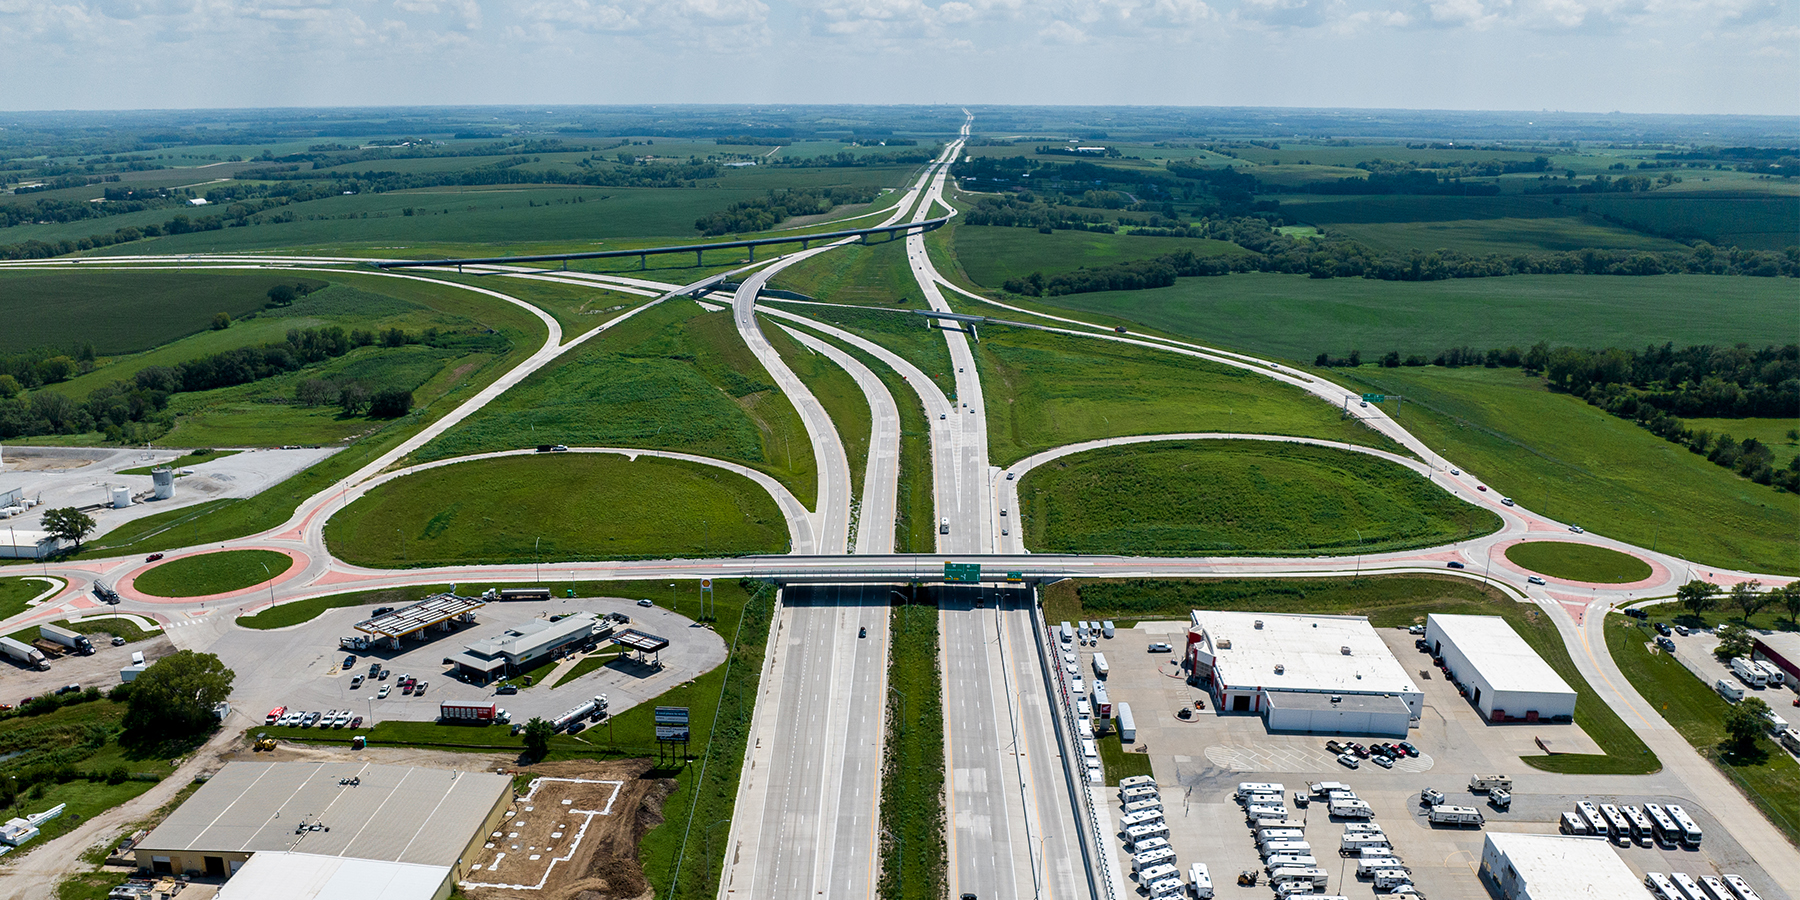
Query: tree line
(763,213)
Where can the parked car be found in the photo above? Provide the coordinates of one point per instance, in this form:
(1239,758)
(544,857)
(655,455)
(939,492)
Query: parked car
(380,611)
(1415,629)
(1410,749)
(507,688)
(118,642)
(1681,630)
(1636,613)
(1666,643)
(275,715)
(406,687)
(420,690)
(1383,761)
(384,674)
(356,722)
(1453,564)
(349,662)
(1349,760)
(384,692)
(1334,747)
(356,682)
(1663,629)
(1161,647)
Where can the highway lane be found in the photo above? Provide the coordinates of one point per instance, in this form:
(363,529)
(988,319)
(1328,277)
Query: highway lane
(1058,870)
(876,512)
(984,807)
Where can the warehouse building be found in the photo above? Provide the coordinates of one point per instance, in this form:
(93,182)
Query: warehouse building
(1781,648)
(279,875)
(1309,674)
(349,810)
(1505,679)
(525,646)
(1555,867)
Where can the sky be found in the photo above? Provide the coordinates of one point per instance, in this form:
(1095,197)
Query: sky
(1643,56)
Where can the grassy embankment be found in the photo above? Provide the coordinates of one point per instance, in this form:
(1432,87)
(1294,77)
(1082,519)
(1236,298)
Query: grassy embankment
(913,851)
(835,390)
(1573,462)
(515,510)
(1237,498)
(16,592)
(1389,602)
(1047,390)
(872,275)
(1767,775)
(673,378)
(213,573)
(720,703)
(1578,562)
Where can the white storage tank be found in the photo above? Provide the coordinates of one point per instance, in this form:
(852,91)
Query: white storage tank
(165,482)
(121,498)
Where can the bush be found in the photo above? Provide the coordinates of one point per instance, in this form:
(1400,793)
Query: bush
(390,403)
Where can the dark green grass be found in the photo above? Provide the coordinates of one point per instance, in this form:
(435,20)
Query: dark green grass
(1750,222)
(212,573)
(1578,562)
(124,628)
(124,312)
(590,664)
(1394,601)
(671,378)
(1565,459)
(1046,390)
(913,859)
(86,737)
(992,254)
(1118,762)
(89,885)
(517,509)
(1502,236)
(1767,775)
(1297,318)
(835,390)
(15,592)
(1237,498)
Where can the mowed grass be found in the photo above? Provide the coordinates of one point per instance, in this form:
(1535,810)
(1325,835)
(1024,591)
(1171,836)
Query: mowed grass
(1562,458)
(1045,390)
(213,573)
(1391,601)
(871,275)
(991,254)
(1196,498)
(124,312)
(557,508)
(909,336)
(1578,562)
(913,852)
(1772,433)
(1297,318)
(672,378)
(835,390)
(1118,762)
(1766,774)
(16,592)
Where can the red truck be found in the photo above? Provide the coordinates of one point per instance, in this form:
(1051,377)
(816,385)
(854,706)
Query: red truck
(469,712)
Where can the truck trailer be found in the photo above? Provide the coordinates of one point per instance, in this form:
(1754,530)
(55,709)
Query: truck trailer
(1749,673)
(1481,783)
(1127,724)
(594,707)
(30,657)
(467,712)
(66,638)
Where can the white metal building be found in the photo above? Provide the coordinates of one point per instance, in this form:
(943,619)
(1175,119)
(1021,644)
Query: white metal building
(1555,867)
(1505,678)
(19,543)
(279,875)
(1266,663)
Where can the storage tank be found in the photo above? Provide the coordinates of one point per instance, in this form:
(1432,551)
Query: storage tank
(121,498)
(165,482)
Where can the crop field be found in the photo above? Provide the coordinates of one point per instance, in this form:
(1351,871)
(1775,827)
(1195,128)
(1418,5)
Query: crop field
(124,312)
(213,573)
(1296,318)
(1578,562)
(1237,498)
(992,254)
(1773,433)
(557,508)
(1562,458)
(1733,220)
(672,378)
(1046,390)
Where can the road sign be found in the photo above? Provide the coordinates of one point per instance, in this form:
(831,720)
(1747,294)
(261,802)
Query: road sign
(672,724)
(962,573)
(1015,577)
(706,584)
(1374,398)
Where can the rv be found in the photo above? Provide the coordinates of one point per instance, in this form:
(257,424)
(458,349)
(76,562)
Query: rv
(1573,823)
(1389,879)
(1199,879)
(1368,866)
(1168,887)
(1145,804)
(1714,888)
(1641,829)
(1617,827)
(1749,673)
(1741,888)
(1135,780)
(1289,859)
(1148,844)
(1127,724)
(1101,669)
(1270,835)
(1728,690)
(1286,848)
(1066,632)
(1149,858)
(1690,832)
(1480,783)
(1661,887)
(1140,818)
(1690,890)
(1138,792)
(1361,828)
(1500,798)
(1246,788)
(1455,815)
(1772,672)
(1264,813)
(1106,628)
(1306,875)
(1355,844)
(1145,831)
(1662,828)
(1590,815)
(1264,799)
(1352,809)
(1323,789)
(1336,796)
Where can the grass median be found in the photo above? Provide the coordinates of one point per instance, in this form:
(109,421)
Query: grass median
(213,573)
(914,856)
(1578,562)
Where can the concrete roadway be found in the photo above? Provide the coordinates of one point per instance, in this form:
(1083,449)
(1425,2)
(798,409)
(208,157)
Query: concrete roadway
(875,515)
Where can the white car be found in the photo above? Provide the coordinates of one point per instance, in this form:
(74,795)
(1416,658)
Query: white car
(384,692)
(1577,529)
(1349,760)
(1161,647)
(645,602)
(1381,761)
(343,718)
(1506,501)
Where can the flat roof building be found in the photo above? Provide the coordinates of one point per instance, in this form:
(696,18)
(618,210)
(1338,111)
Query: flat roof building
(1555,867)
(279,875)
(1781,648)
(403,814)
(526,645)
(1265,662)
(19,543)
(1505,679)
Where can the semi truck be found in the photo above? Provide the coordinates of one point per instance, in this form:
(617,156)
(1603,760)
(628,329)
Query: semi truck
(66,638)
(595,707)
(467,712)
(1455,815)
(30,657)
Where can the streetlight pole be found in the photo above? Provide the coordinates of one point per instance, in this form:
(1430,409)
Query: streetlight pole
(671,596)
(1359,540)
(271,582)
(709,834)
(537,558)
(902,707)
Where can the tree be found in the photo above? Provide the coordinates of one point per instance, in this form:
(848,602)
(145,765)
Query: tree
(390,403)
(537,737)
(1734,641)
(282,295)
(1790,599)
(1745,722)
(221,321)
(1748,596)
(1697,596)
(10,386)
(175,696)
(68,523)
(353,398)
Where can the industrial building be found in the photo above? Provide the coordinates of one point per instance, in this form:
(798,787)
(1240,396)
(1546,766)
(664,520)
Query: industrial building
(524,646)
(1781,648)
(1505,679)
(279,875)
(21,543)
(1554,867)
(1316,674)
(352,810)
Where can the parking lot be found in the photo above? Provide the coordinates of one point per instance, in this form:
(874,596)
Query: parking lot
(1199,762)
(302,667)
(101,670)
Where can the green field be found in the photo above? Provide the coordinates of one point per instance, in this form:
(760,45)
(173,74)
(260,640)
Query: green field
(672,378)
(213,573)
(1562,458)
(992,254)
(16,592)
(1118,762)
(903,333)
(1725,219)
(557,508)
(1768,775)
(124,312)
(1233,498)
(1578,562)
(872,275)
(1046,390)
(1297,318)
(913,854)
(1502,236)
(1392,601)
(836,391)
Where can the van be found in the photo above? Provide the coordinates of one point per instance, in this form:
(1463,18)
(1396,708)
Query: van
(1200,881)
(1728,690)
(943,526)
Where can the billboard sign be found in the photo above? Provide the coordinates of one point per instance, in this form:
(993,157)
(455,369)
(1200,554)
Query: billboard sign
(672,724)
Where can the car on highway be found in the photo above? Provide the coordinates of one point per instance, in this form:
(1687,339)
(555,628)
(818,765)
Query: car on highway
(1481,487)
(1349,760)
(1577,529)
(1534,579)
(862,632)
(1453,564)
(1161,647)
(1009,475)
(1005,531)
(384,692)
(275,715)
(1456,471)
(1663,629)
(1383,761)
(943,415)
(153,557)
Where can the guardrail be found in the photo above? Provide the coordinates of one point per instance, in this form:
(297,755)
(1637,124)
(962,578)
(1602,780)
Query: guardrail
(1062,713)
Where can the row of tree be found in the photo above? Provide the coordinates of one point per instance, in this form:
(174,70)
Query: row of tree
(763,213)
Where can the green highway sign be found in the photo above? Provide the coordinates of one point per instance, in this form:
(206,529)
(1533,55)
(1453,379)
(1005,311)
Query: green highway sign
(962,573)
(1374,398)
(1015,577)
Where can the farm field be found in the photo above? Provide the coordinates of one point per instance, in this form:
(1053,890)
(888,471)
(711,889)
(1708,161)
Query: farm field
(992,254)
(1562,458)
(518,509)
(1046,390)
(124,312)
(1503,236)
(1725,219)
(1297,318)
(1237,498)
(1578,562)
(672,378)
(213,573)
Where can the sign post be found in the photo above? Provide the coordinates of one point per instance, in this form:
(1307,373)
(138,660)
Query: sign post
(671,729)
(1374,398)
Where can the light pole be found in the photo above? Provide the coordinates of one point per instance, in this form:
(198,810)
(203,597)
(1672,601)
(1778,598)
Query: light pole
(671,596)
(1359,541)
(537,558)
(271,582)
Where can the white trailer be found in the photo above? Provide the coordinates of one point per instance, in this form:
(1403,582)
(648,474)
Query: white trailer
(1256,814)
(1741,888)
(1355,844)
(1135,780)
(1144,817)
(1455,815)
(1159,856)
(1480,783)
(1772,672)
(1127,724)
(1136,833)
(1139,792)
(1101,669)
(1289,859)
(1199,878)
(1389,879)
(1067,632)
(1323,789)
(1361,828)
(30,657)
(591,707)
(1107,629)
(1749,673)
(1352,809)
(1156,872)
(73,640)
(1370,865)
(1148,844)
(1246,788)
(1728,690)
(1261,799)
(1169,888)
(1286,848)
(1305,875)
(1147,803)
(1345,794)
(1270,835)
